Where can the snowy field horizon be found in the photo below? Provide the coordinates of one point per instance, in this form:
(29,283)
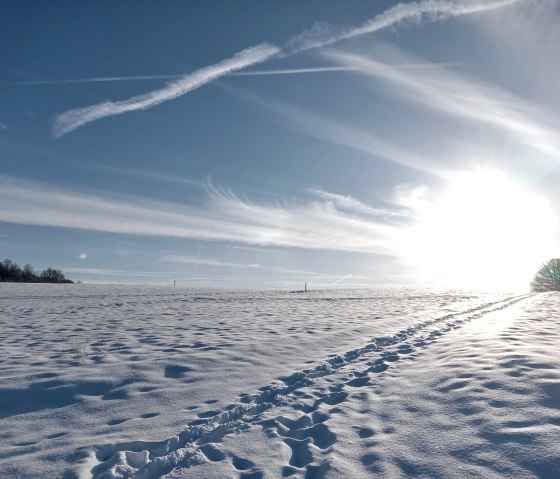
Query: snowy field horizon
(136,381)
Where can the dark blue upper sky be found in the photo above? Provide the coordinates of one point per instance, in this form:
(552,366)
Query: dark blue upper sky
(139,143)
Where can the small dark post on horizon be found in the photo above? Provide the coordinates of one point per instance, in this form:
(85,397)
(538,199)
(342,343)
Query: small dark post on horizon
(305,287)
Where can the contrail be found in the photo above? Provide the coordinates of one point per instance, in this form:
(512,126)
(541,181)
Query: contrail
(341,279)
(286,71)
(430,10)
(250,73)
(73,119)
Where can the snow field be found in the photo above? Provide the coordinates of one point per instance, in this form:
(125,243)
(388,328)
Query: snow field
(182,383)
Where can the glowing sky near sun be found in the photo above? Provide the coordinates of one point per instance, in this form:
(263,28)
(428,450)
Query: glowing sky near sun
(266,144)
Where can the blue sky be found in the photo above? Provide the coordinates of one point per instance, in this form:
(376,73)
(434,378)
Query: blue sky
(264,143)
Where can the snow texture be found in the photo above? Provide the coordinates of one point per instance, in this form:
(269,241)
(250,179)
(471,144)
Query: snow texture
(111,382)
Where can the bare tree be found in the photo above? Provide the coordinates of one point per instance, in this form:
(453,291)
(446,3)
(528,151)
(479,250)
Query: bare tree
(547,277)
(51,275)
(11,272)
(28,275)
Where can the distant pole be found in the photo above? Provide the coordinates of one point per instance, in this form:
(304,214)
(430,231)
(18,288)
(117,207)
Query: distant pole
(174,283)
(305,287)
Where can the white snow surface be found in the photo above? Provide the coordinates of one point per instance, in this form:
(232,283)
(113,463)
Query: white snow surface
(107,382)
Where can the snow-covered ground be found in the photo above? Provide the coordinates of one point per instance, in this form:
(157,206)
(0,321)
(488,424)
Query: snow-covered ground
(148,382)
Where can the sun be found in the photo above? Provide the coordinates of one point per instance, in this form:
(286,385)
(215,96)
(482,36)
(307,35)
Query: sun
(483,231)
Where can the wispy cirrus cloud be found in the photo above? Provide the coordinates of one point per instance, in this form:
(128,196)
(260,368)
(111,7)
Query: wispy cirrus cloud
(461,96)
(318,36)
(348,203)
(197,260)
(219,263)
(73,119)
(223,216)
(338,132)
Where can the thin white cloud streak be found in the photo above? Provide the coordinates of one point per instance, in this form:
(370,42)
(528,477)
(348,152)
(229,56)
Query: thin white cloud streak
(285,71)
(307,225)
(115,272)
(186,259)
(414,12)
(162,277)
(251,73)
(462,97)
(341,279)
(197,260)
(349,203)
(292,71)
(338,133)
(73,119)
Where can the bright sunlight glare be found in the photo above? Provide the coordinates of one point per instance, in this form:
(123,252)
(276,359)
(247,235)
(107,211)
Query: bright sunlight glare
(483,231)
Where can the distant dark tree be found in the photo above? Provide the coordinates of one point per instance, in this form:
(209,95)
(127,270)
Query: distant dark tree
(11,272)
(28,275)
(3,271)
(51,275)
(547,277)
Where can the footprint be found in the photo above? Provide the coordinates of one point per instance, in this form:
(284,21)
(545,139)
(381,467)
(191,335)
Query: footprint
(317,471)
(207,414)
(212,453)
(322,436)
(378,367)
(365,432)
(27,443)
(358,382)
(58,434)
(301,455)
(390,357)
(405,349)
(149,415)
(114,395)
(114,422)
(147,389)
(332,399)
(251,475)
(242,464)
(369,459)
(175,371)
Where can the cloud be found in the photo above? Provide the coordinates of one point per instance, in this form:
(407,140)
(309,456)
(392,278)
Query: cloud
(223,216)
(415,12)
(318,36)
(284,71)
(114,272)
(352,204)
(461,96)
(197,260)
(341,279)
(73,119)
(337,132)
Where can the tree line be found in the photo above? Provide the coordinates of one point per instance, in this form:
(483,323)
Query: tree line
(11,272)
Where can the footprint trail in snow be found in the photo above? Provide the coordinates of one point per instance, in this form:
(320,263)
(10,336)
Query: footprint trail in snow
(296,410)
